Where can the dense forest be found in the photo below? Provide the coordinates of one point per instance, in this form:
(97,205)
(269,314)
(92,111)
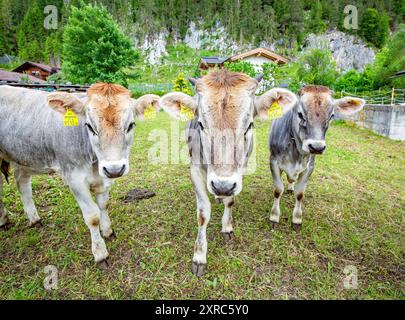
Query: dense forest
(246,21)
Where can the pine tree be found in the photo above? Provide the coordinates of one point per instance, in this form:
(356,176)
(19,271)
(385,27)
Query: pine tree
(374,27)
(31,34)
(94,47)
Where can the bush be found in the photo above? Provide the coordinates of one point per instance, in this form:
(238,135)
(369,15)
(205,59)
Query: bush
(318,68)
(181,84)
(353,81)
(241,66)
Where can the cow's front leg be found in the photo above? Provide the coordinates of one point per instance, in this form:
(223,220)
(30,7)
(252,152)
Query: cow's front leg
(198,178)
(278,192)
(4,222)
(23,180)
(92,215)
(102,197)
(299,192)
(227,227)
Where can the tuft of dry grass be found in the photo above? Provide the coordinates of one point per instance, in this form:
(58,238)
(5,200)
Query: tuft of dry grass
(354,213)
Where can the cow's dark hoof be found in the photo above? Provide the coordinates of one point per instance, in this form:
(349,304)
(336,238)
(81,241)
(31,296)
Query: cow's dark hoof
(6,227)
(103,264)
(296,227)
(228,236)
(111,237)
(198,269)
(273,225)
(37,224)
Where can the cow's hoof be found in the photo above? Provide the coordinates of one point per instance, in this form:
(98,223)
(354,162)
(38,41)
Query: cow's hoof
(198,269)
(273,225)
(111,237)
(296,227)
(37,224)
(228,236)
(103,264)
(6,226)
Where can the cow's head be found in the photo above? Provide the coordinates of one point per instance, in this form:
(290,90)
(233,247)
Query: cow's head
(108,113)
(225,106)
(313,112)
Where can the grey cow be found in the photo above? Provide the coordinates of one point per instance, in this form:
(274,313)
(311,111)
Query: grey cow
(88,156)
(297,138)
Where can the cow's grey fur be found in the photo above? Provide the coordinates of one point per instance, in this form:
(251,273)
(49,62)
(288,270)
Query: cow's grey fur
(34,139)
(296,138)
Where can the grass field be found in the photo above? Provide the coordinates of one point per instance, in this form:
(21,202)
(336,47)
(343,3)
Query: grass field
(354,214)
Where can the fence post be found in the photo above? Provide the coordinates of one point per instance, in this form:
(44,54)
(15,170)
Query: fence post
(393,97)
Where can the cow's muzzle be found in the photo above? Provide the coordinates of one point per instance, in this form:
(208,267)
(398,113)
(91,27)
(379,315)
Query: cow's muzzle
(113,172)
(316,148)
(223,188)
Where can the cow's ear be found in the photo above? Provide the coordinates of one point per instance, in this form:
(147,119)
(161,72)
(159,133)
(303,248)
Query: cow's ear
(142,103)
(349,105)
(172,103)
(61,101)
(285,98)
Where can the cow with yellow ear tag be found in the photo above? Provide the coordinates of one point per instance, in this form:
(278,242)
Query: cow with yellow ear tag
(296,139)
(86,138)
(220,140)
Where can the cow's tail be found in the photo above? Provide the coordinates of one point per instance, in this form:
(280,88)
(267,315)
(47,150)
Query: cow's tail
(5,169)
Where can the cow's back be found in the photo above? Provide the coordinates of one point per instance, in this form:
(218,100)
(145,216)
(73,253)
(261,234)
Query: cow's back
(33,135)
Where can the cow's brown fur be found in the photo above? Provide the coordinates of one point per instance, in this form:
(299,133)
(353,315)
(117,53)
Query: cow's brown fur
(316,99)
(224,89)
(108,100)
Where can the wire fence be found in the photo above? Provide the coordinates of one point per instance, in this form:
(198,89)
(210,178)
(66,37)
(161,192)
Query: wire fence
(388,97)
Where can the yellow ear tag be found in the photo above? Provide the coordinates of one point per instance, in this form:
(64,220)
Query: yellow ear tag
(70,119)
(149,112)
(186,114)
(275,111)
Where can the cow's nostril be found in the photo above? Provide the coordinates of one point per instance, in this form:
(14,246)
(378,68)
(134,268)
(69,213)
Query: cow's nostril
(122,170)
(107,173)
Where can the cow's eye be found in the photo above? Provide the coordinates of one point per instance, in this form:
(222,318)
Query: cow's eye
(131,126)
(302,118)
(251,125)
(201,126)
(90,128)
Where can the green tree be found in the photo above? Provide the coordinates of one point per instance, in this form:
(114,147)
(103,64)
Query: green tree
(31,34)
(315,22)
(374,27)
(317,67)
(391,60)
(95,49)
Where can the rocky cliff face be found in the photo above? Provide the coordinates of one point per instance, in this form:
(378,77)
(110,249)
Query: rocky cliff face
(348,51)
